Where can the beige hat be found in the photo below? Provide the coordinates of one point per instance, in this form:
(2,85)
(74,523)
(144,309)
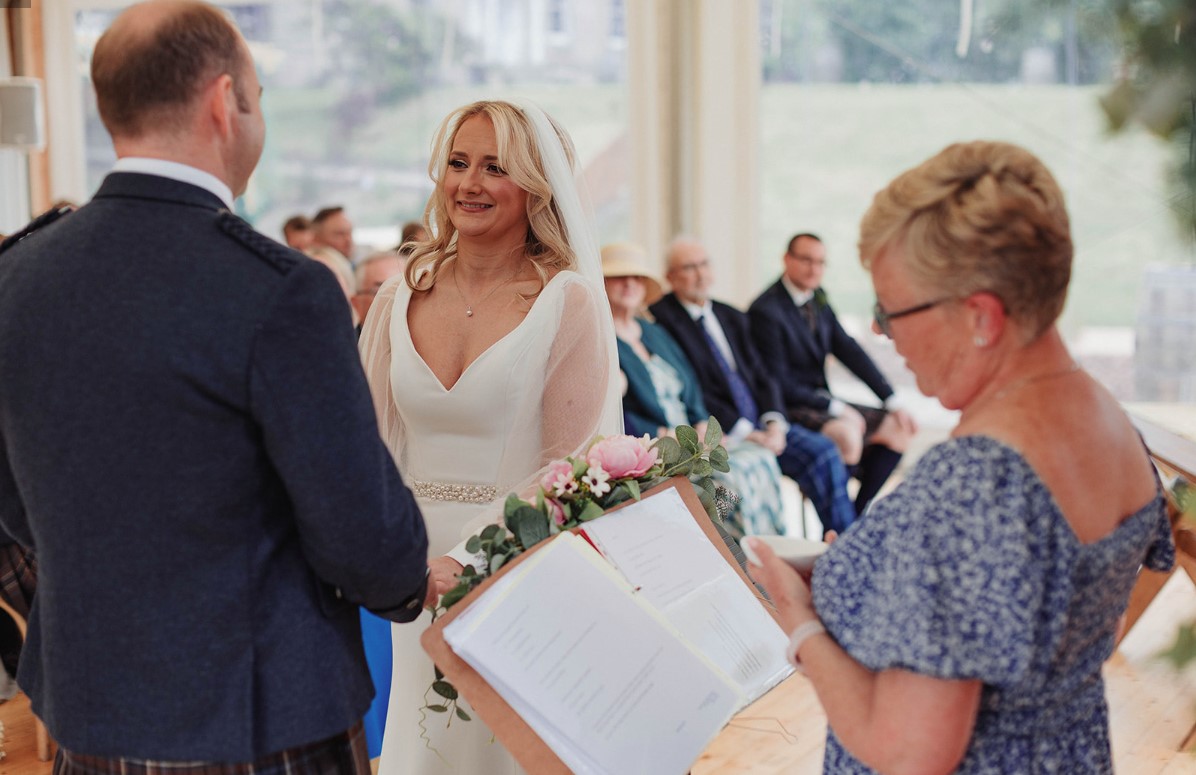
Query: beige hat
(626,259)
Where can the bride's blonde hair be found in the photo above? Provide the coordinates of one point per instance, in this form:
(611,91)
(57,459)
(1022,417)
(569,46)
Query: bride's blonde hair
(547,242)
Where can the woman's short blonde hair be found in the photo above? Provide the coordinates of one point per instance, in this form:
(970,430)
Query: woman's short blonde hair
(979,216)
(547,244)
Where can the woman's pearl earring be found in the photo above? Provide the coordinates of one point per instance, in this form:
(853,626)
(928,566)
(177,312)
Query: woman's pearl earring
(980,341)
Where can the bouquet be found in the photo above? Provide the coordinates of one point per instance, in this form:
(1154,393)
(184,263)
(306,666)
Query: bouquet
(574,491)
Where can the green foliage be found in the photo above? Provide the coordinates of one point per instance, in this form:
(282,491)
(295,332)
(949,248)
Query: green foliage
(1157,87)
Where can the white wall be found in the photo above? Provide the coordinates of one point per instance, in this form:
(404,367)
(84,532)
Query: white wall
(14,164)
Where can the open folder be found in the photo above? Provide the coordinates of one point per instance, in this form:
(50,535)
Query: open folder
(622,649)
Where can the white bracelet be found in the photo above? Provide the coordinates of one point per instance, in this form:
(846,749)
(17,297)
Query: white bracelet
(799,636)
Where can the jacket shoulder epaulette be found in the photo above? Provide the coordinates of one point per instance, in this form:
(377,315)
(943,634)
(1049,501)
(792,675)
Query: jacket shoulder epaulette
(278,256)
(41,221)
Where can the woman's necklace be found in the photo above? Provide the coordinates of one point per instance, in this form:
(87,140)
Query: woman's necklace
(1017,385)
(469,307)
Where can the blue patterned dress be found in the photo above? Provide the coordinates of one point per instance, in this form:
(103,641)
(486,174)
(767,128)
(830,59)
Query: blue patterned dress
(968,570)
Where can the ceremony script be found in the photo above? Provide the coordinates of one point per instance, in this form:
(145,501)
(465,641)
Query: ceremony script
(625,647)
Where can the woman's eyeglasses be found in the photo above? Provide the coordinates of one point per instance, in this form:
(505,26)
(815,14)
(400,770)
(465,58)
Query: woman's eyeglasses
(883,319)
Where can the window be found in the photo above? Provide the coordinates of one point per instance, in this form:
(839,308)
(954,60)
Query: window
(354,91)
(855,91)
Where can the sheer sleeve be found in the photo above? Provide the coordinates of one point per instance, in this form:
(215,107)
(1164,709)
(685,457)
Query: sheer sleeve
(375,347)
(580,400)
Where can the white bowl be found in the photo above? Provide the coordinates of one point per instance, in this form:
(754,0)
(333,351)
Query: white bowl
(798,552)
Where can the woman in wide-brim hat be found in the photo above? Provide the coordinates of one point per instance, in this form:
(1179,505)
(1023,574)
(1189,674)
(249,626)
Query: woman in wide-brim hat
(663,390)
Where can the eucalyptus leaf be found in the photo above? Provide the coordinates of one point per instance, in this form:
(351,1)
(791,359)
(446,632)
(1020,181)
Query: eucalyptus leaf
(714,432)
(580,466)
(687,437)
(633,488)
(701,468)
(529,525)
(454,595)
(489,532)
(497,561)
(591,511)
(670,451)
(444,689)
(473,545)
(720,460)
(512,504)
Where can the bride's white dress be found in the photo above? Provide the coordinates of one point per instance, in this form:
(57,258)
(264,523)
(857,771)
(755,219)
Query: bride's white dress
(536,395)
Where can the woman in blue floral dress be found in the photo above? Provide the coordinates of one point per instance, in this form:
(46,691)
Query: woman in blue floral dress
(962,624)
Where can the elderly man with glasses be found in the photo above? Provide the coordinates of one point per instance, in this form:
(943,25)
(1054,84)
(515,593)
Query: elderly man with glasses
(796,329)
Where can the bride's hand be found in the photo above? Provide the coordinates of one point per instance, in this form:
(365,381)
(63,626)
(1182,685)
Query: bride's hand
(442,576)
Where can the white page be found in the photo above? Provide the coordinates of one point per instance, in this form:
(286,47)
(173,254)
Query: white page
(661,550)
(592,668)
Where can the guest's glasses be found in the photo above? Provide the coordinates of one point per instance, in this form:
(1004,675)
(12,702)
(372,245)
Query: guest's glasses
(884,319)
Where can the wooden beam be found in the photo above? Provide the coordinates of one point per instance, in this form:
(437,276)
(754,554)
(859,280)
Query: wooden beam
(29,59)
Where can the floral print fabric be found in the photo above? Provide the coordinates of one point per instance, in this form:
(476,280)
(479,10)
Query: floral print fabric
(968,570)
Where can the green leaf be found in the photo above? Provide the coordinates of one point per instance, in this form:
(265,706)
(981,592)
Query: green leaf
(439,673)
(473,545)
(497,561)
(714,432)
(529,525)
(580,466)
(633,488)
(444,689)
(461,714)
(590,511)
(720,460)
(490,531)
(454,595)
(701,468)
(468,572)
(708,503)
(687,437)
(437,708)
(670,451)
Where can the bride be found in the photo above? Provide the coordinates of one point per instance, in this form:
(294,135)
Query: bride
(493,356)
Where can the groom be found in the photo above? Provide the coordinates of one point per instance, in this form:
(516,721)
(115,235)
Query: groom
(188,445)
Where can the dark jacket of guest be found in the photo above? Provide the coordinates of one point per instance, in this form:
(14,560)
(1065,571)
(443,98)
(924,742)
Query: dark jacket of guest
(188,444)
(716,390)
(798,354)
(642,411)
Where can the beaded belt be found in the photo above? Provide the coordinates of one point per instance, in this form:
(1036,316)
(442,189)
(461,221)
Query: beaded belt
(450,491)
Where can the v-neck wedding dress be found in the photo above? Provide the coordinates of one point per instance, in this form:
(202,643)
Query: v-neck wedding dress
(536,395)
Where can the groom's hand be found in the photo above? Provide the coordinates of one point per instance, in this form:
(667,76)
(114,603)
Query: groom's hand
(442,576)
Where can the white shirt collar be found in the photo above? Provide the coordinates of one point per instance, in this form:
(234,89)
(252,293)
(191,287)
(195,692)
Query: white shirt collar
(799,296)
(696,311)
(176,171)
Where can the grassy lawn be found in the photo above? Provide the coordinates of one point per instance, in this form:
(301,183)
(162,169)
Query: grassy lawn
(825,150)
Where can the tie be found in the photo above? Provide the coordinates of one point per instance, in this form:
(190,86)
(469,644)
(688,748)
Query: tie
(810,314)
(741,394)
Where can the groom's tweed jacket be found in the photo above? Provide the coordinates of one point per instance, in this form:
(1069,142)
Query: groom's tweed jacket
(188,445)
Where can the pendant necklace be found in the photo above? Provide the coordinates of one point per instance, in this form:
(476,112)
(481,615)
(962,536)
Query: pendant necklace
(468,306)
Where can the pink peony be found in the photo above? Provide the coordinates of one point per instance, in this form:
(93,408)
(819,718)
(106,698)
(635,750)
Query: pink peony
(558,475)
(623,456)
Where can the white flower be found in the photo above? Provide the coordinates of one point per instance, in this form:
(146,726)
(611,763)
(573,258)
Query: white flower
(564,487)
(598,481)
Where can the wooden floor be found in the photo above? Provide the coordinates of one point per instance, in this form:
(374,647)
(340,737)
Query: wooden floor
(1153,709)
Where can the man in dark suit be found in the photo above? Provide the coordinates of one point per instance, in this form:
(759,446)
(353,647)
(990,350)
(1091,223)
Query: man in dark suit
(794,326)
(737,387)
(188,444)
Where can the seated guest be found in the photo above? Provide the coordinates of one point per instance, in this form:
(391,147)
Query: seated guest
(374,270)
(297,233)
(795,329)
(737,387)
(331,228)
(962,626)
(413,231)
(663,392)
